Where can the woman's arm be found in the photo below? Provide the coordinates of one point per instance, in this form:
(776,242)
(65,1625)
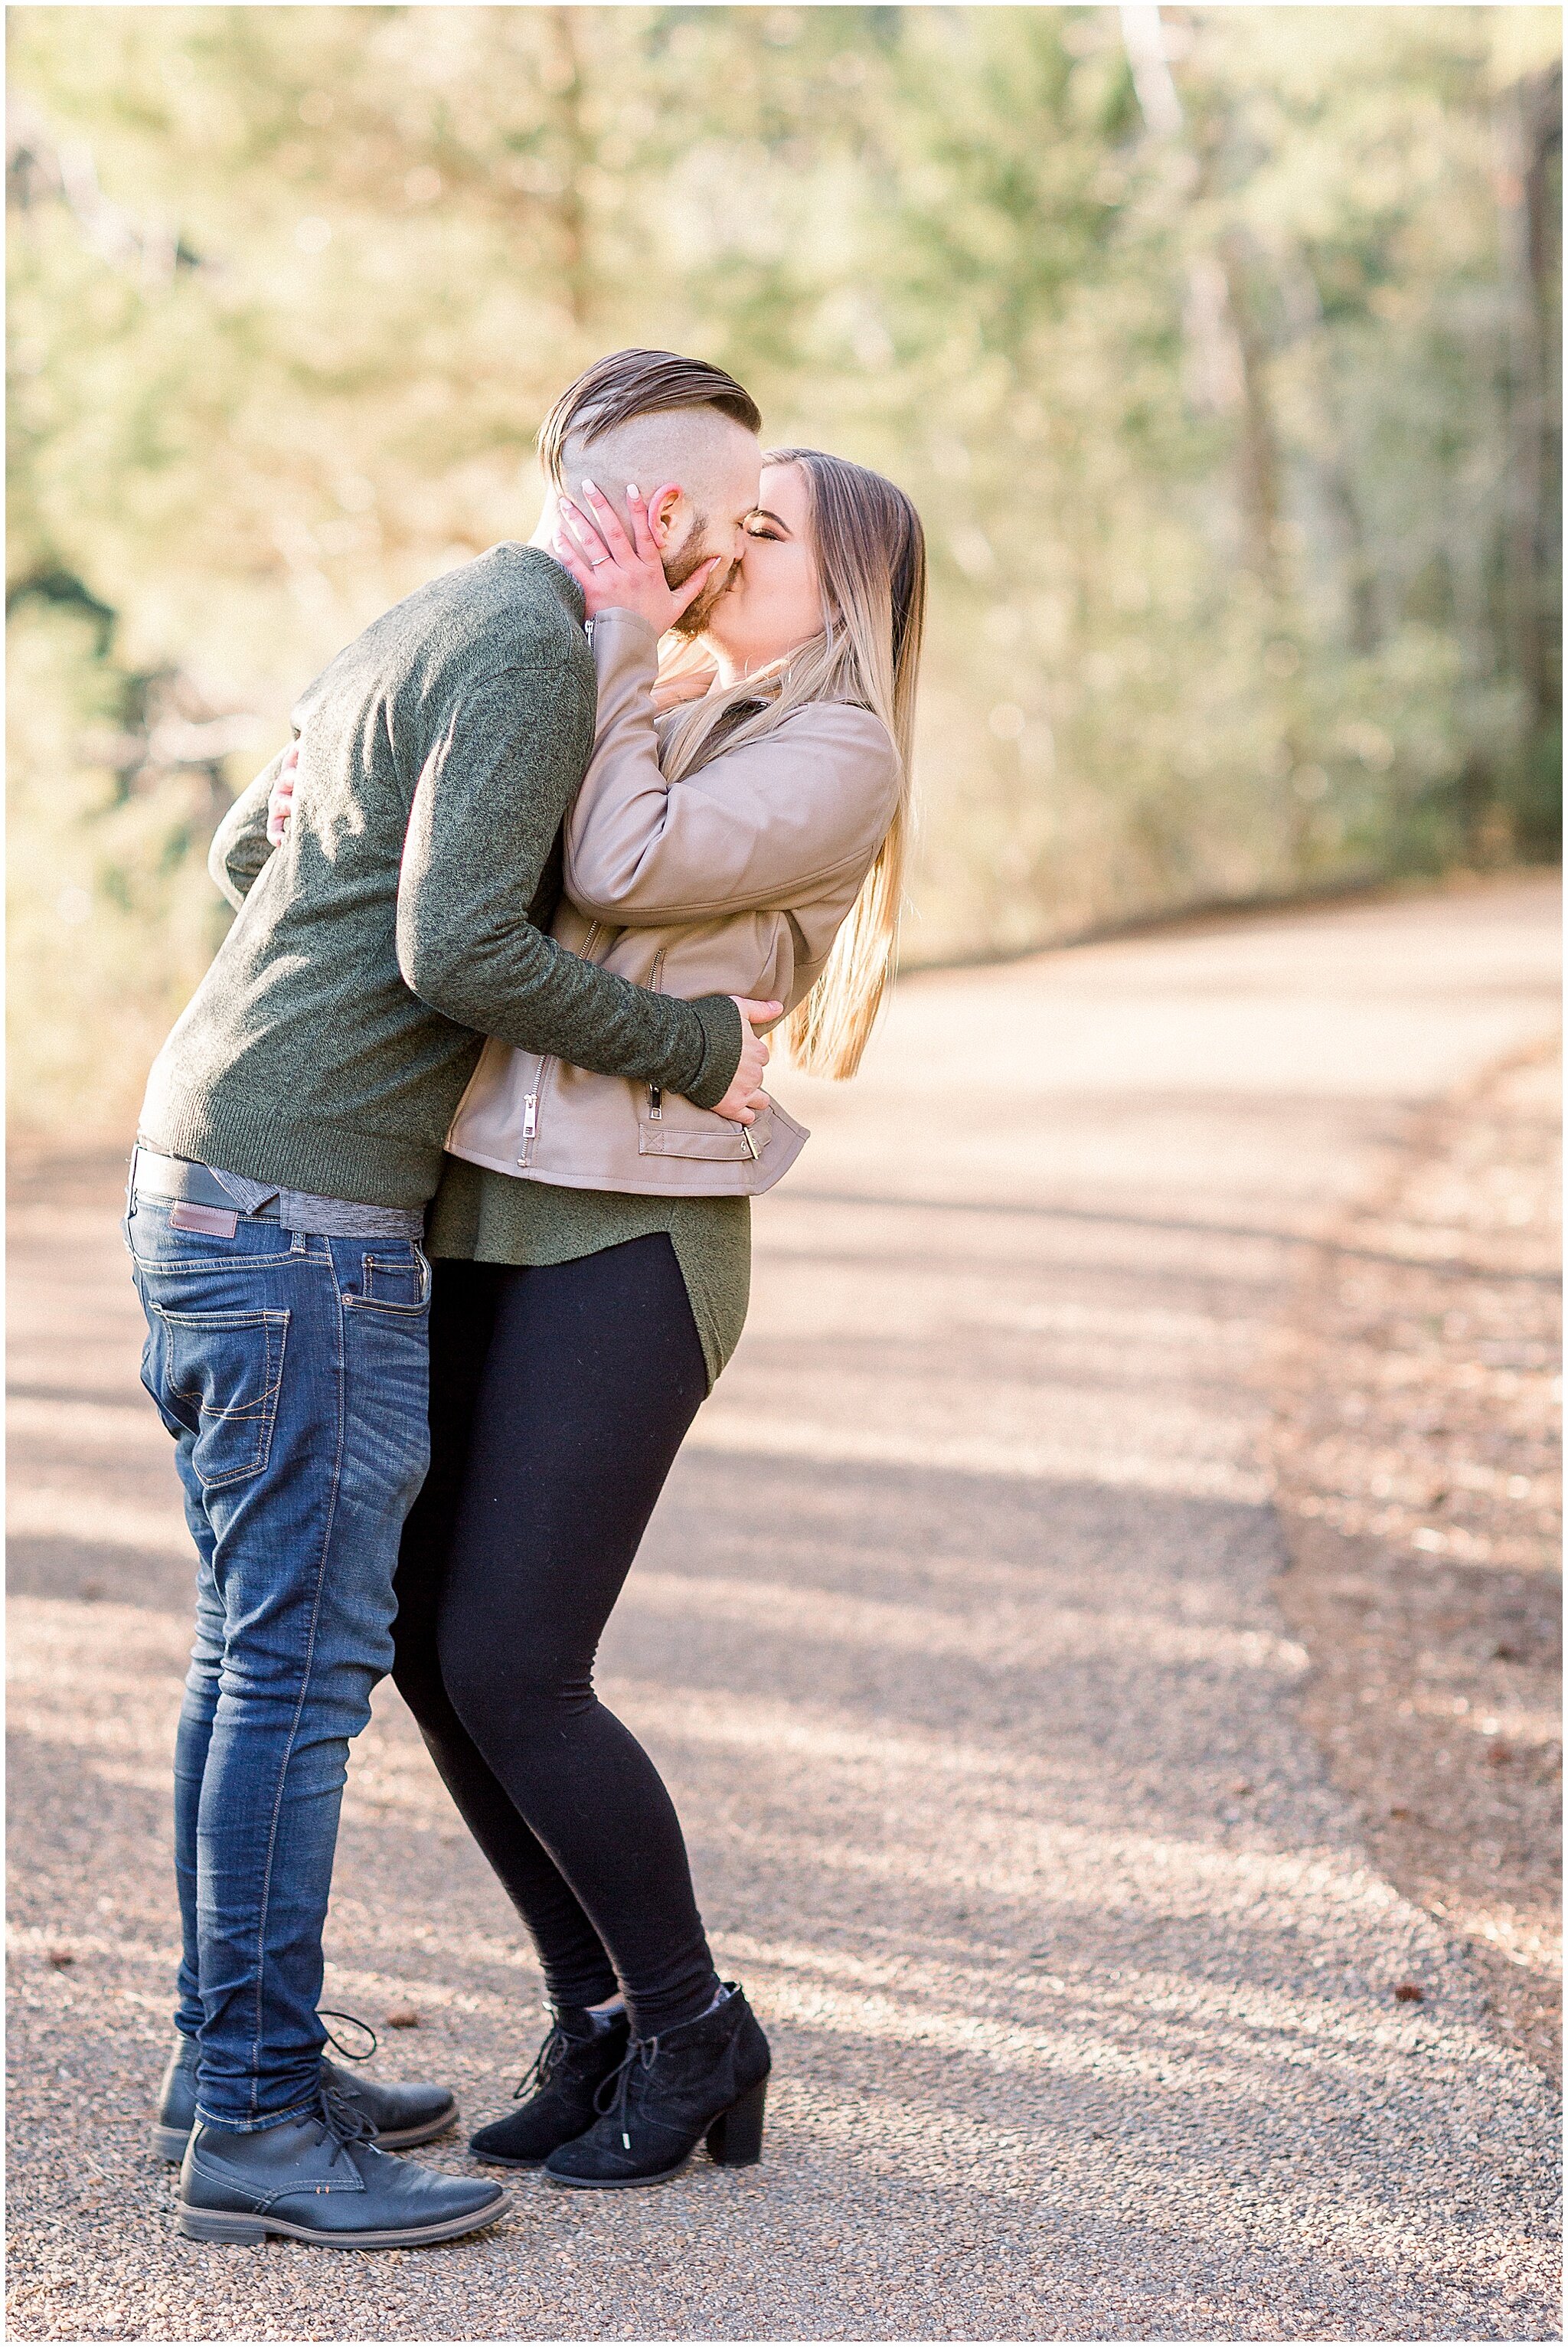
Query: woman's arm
(241,847)
(748,832)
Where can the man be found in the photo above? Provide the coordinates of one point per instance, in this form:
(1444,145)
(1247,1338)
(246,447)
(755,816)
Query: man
(291,1135)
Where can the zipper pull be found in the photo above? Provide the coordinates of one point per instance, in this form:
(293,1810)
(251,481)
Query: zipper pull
(531,1115)
(746,1137)
(655,1095)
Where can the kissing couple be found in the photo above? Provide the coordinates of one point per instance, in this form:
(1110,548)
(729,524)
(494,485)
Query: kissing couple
(439,1214)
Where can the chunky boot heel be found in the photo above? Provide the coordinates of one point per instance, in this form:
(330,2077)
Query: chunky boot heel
(735,2137)
(207,2225)
(170,2142)
(701,2081)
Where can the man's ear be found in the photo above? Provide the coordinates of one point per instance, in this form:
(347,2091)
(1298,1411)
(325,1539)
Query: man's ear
(662,507)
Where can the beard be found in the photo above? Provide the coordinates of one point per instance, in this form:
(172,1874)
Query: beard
(695,617)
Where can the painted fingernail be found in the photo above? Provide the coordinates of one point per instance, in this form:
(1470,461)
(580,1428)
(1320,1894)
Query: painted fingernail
(591,486)
(632,490)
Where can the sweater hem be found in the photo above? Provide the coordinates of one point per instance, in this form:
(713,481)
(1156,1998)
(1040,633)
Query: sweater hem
(365,1169)
(716,1354)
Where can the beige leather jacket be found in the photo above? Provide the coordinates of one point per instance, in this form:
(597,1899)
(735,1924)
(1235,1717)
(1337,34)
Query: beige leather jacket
(733,881)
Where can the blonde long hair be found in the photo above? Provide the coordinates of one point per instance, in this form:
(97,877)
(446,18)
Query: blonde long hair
(870,553)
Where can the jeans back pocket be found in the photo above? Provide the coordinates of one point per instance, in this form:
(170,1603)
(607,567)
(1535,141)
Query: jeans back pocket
(218,1376)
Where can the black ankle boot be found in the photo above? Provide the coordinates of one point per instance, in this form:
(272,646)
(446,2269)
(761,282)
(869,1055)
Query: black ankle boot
(707,2078)
(581,2051)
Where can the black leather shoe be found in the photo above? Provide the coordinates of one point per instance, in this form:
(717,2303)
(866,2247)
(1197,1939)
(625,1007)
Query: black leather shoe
(581,2051)
(398,2116)
(709,2078)
(312,2180)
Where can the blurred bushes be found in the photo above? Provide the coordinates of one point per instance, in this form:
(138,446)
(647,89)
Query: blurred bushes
(1219,348)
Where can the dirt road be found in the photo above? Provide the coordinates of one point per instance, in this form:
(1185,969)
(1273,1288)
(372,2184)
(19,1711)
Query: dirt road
(1082,1987)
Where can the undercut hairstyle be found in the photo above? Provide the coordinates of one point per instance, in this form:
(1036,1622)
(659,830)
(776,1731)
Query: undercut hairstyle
(629,384)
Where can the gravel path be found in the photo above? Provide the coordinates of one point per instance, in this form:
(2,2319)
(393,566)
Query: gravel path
(1080,1984)
(1417,1479)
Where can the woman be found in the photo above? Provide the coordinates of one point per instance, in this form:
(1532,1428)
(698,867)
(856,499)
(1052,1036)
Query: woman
(592,1251)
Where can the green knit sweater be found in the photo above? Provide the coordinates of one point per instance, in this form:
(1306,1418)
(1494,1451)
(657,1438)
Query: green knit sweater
(403,919)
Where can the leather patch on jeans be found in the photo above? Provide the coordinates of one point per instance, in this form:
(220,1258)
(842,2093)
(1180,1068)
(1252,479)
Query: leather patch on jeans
(184,1215)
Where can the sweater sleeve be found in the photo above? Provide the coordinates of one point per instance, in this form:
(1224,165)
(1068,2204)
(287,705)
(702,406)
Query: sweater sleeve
(755,829)
(238,855)
(487,806)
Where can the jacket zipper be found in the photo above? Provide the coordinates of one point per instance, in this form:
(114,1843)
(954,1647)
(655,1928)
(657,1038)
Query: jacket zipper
(531,1099)
(655,1095)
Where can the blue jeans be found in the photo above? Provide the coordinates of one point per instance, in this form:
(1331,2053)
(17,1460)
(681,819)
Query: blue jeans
(294,1373)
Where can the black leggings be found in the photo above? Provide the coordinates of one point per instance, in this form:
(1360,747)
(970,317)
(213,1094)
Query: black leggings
(559,1396)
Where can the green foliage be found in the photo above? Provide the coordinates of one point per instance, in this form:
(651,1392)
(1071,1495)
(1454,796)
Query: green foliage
(112,918)
(1223,373)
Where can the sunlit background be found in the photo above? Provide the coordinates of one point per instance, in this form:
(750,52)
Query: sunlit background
(1218,346)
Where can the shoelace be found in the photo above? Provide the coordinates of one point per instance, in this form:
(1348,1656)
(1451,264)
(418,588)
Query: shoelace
(538,2070)
(327,2012)
(639,2054)
(344,2120)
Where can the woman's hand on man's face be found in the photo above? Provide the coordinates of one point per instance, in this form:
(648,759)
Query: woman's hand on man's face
(281,799)
(623,572)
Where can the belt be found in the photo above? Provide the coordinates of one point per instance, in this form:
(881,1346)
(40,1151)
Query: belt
(175,1177)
